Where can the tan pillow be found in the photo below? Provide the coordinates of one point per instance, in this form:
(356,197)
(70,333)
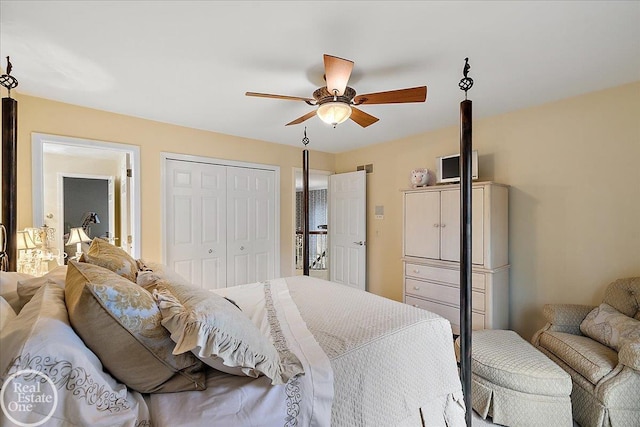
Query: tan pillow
(27,288)
(120,322)
(608,326)
(219,333)
(111,257)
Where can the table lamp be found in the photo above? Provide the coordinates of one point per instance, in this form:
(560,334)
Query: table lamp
(25,260)
(77,236)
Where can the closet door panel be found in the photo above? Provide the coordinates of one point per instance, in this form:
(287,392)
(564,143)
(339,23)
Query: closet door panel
(196,222)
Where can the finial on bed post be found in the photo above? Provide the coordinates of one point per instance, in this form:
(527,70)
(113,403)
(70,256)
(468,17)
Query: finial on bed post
(305,202)
(465,240)
(9,167)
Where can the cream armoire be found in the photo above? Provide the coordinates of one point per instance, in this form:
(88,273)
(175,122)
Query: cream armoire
(431,253)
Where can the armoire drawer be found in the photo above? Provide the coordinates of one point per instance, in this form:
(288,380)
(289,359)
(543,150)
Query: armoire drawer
(444,293)
(452,314)
(443,275)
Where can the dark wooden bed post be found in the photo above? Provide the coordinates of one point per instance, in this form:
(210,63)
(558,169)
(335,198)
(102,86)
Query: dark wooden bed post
(465,241)
(305,202)
(9,169)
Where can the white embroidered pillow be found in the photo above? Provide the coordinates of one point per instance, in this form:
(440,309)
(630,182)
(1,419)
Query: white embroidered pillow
(42,339)
(608,326)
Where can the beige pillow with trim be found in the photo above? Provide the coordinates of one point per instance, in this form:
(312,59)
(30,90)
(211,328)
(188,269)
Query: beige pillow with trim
(220,334)
(608,326)
(120,322)
(6,313)
(112,258)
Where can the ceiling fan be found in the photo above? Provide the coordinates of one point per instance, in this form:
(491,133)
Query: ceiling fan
(337,102)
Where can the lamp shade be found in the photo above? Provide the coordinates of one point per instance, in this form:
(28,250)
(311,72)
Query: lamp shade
(25,241)
(77,235)
(334,113)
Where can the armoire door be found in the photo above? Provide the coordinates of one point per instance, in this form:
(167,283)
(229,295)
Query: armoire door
(196,222)
(250,225)
(422,224)
(450,225)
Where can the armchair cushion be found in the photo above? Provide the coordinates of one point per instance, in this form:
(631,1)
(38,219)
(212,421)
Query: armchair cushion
(624,296)
(608,326)
(629,355)
(589,358)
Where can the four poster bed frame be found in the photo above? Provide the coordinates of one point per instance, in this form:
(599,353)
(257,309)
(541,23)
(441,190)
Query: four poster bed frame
(9,210)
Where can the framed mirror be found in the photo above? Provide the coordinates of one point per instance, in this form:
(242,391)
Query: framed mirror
(67,171)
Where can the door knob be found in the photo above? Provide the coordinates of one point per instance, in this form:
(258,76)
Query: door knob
(360,243)
(210,251)
(242,248)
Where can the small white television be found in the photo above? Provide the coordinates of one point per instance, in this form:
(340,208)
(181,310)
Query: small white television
(448,169)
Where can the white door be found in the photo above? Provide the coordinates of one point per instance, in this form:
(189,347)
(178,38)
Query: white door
(450,229)
(196,215)
(348,229)
(422,224)
(251,243)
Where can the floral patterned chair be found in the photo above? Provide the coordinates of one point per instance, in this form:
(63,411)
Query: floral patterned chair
(600,348)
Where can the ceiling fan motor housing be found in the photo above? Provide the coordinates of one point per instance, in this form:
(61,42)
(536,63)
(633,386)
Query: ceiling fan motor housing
(322,96)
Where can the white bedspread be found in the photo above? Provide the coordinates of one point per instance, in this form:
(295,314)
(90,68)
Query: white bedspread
(241,401)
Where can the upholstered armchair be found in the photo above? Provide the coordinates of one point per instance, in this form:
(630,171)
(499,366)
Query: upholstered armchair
(600,348)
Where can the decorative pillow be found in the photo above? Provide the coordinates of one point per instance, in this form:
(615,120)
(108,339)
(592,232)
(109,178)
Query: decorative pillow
(8,287)
(120,322)
(6,313)
(608,326)
(219,334)
(112,258)
(42,339)
(27,288)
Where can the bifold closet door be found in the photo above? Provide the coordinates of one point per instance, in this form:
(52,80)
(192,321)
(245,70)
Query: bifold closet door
(250,225)
(196,222)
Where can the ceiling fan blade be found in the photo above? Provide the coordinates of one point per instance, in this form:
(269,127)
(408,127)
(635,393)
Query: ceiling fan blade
(414,94)
(268,95)
(303,118)
(337,72)
(362,118)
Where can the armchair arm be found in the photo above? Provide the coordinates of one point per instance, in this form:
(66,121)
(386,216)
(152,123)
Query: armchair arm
(566,317)
(629,354)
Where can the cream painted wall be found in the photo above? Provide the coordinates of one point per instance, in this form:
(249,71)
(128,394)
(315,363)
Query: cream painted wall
(574,171)
(572,166)
(50,117)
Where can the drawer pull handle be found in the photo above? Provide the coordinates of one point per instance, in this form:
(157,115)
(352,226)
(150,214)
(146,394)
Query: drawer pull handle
(415,305)
(416,271)
(416,288)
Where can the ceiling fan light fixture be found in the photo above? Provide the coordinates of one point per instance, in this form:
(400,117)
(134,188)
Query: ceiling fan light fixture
(334,113)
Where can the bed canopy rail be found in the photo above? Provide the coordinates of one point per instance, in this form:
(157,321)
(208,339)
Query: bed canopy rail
(8,261)
(305,208)
(465,239)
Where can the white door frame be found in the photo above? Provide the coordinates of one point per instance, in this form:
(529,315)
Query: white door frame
(37,188)
(164,156)
(60,202)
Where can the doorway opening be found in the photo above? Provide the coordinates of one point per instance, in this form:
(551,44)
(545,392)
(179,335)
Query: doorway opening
(318,223)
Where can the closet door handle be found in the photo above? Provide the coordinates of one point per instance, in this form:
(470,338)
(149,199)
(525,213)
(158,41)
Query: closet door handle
(436,225)
(443,225)
(242,248)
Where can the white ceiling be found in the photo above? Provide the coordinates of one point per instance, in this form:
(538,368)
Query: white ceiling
(190,63)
